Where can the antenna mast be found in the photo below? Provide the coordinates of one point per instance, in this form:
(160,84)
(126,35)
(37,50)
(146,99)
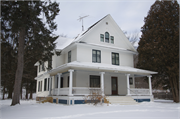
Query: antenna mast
(81,18)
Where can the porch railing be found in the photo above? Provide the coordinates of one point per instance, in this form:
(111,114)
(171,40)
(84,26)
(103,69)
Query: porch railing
(139,91)
(75,91)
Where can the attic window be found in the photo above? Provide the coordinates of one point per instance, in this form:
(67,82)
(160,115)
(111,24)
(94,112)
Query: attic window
(102,37)
(106,23)
(107,37)
(112,39)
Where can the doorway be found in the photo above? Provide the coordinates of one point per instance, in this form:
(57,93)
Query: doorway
(114,85)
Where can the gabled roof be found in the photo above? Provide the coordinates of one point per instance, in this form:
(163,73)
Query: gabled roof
(65,42)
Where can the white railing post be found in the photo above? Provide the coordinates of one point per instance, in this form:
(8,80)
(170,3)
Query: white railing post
(50,85)
(150,86)
(59,82)
(102,82)
(128,89)
(70,81)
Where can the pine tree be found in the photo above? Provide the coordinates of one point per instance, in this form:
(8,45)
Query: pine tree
(34,38)
(159,45)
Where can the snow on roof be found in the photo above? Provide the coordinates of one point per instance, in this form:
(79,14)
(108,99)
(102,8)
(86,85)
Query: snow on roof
(102,67)
(63,42)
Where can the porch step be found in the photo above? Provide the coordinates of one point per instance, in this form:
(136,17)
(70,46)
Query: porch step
(122,100)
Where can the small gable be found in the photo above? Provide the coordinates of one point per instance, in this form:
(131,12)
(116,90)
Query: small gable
(106,32)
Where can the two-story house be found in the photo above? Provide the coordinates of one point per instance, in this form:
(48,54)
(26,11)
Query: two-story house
(100,58)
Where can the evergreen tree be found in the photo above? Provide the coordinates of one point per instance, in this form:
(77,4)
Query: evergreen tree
(34,38)
(159,45)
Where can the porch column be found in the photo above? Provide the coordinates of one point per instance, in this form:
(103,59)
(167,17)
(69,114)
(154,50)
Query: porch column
(102,82)
(50,85)
(128,89)
(150,87)
(70,81)
(59,82)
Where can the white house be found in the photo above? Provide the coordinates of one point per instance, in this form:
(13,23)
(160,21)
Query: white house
(100,58)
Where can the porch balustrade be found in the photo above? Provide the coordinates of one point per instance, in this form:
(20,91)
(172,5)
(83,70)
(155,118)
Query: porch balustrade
(139,91)
(76,91)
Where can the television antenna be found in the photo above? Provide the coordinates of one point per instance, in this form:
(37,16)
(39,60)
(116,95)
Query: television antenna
(81,18)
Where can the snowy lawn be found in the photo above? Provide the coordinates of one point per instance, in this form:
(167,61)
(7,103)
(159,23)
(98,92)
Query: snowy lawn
(159,109)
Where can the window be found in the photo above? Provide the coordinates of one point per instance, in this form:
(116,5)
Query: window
(39,68)
(56,82)
(107,37)
(112,39)
(96,56)
(43,69)
(69,56)
(94,81)
(102,37)
(130,80)
(45,84)
(48,83)
(68,82)
(115,58)
(62,82)
(39,86)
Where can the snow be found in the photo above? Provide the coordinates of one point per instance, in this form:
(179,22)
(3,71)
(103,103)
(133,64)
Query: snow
(161,109)
(109,67)
(63,42)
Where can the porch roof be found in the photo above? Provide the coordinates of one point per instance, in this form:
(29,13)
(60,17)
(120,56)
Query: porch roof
(99,67)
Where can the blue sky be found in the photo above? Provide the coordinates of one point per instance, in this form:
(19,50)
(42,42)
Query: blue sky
(128,14)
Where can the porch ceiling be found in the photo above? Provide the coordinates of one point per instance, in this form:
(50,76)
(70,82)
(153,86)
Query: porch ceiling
(100,67)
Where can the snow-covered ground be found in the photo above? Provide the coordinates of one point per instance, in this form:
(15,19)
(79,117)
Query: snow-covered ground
(160,109)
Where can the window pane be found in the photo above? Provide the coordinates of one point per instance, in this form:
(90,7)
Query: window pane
(112,39)
(69,56)
(94,81)
(107,37)
(102,37)
(96,56)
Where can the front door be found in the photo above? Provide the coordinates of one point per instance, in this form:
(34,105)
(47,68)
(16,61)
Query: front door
(114,85)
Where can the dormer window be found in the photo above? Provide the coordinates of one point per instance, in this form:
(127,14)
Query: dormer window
(106,37)
(102,37)
(112,39)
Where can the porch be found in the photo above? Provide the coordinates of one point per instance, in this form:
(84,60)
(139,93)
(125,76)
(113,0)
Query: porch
(84,91)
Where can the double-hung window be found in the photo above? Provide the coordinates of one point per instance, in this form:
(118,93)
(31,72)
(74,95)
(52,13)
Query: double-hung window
(102,37)
(112,39)
(96,56)
(115,58)
(69,56)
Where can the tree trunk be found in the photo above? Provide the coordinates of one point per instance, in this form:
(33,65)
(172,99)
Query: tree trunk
(26,94)
(19,71)
(10,93)
(174,89)
(31,97)
(3,92)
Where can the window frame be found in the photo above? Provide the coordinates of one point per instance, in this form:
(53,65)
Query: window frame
(93,79)
(115,59)
(96,56)
(107,37)
(102,37)
(69,56)
(112,39)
